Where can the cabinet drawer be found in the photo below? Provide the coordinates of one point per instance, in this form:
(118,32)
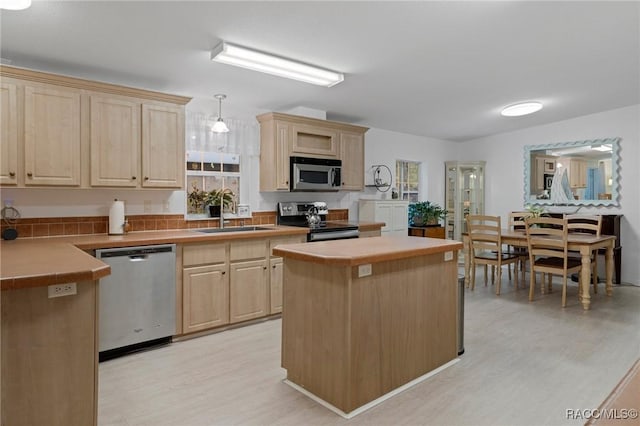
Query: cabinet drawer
(248,249)
(202,254)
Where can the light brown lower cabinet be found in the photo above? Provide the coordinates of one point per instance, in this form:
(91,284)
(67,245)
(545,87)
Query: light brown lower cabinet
(248,290)
(205,297)
(275,281)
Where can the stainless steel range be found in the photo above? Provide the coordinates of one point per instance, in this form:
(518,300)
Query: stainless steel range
(313,215)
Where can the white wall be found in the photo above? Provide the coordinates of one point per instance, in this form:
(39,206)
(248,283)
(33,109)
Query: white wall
(504,178)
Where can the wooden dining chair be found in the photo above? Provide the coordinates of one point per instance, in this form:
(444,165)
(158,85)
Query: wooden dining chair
(591,225)
(547,240)
(517,223)
(485,243)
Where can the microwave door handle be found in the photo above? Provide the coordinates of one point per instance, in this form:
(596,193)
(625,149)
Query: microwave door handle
(335,177)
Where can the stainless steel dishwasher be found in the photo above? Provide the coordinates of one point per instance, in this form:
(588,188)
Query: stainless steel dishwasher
(138,299)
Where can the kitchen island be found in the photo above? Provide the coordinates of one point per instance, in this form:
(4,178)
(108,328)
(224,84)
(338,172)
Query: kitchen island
(365,318)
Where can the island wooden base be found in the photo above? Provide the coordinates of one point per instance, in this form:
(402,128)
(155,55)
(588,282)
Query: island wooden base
(350,340)
(50,357)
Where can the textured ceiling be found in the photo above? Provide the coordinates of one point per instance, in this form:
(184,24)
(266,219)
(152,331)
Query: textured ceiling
(438,69)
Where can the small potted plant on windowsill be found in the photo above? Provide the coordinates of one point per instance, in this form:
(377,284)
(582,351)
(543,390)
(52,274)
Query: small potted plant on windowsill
(218,200)
(195,200)
(426,213)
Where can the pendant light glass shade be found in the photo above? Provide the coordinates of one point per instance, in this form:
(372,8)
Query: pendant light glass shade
(219,126)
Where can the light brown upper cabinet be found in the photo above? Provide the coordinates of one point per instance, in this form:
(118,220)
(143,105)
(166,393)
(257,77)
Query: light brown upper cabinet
(51,136)
(115,142)
(577,173)
(8,135)
(162,146)
(283,135)
(352,156)
(315,141)
(69,132)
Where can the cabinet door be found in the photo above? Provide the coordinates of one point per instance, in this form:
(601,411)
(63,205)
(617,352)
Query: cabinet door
(205,297)
(275,284)
(352,156)
(384,213)
(162,146)
(399,221)
(313,140)
(115,142)
(52,136)
(8,135)
(248,295)
(282,156)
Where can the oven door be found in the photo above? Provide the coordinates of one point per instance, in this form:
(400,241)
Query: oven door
(313,177)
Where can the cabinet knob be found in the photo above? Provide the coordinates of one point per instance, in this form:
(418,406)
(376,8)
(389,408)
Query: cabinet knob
(224,272)
(146,178)
(274,266)
(265,268)
(133,178)
(30,174)
(287,182)
(12,174)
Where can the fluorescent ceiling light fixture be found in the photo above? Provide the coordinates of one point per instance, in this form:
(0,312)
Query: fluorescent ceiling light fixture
(523,108)
(15,4)
(243,57)
(603,148)
(219,126)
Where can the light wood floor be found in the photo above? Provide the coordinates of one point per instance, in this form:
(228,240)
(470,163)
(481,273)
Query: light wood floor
(525,364)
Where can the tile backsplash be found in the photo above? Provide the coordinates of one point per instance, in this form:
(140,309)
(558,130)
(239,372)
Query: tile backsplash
(56,226)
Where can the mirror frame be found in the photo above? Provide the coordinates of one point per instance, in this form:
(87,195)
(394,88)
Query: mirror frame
(615,173)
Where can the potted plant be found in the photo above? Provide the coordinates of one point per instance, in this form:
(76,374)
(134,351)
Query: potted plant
(218,200)
(195,200)
(426,213)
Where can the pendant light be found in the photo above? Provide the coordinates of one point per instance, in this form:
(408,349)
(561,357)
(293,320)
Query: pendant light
(220,126)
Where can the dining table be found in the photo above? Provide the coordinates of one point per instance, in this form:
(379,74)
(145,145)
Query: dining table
(585,244)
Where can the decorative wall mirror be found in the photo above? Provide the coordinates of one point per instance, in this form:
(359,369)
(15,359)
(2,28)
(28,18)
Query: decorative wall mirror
(581,173)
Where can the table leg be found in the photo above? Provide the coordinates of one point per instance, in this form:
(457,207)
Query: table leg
(609,269)
(585,278)
(467,263)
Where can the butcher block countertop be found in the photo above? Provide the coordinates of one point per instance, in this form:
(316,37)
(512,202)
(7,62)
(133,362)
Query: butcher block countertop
(361,251)
(34,262)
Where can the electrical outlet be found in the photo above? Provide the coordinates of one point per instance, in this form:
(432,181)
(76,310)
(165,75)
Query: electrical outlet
(147,206)
(448,255)
(8,203)
(60,290)
(364,270)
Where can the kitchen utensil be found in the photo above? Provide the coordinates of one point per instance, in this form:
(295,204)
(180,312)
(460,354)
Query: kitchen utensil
(313,218)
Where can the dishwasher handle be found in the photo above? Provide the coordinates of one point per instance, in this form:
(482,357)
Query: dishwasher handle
(138,257)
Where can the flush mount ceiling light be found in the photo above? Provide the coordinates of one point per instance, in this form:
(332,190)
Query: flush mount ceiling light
(239,56)
(219,126)
(15,4)
(523,108)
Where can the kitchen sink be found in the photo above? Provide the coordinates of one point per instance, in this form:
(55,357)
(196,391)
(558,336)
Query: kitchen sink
(233,229)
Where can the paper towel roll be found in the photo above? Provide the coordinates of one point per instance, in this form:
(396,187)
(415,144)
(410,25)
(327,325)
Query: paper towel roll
(116,218)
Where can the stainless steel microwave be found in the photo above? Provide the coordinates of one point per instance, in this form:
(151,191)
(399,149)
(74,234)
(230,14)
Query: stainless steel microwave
(314,174)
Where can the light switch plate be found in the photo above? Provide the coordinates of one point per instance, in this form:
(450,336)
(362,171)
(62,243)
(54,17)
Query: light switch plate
(448,255)
(364,270)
